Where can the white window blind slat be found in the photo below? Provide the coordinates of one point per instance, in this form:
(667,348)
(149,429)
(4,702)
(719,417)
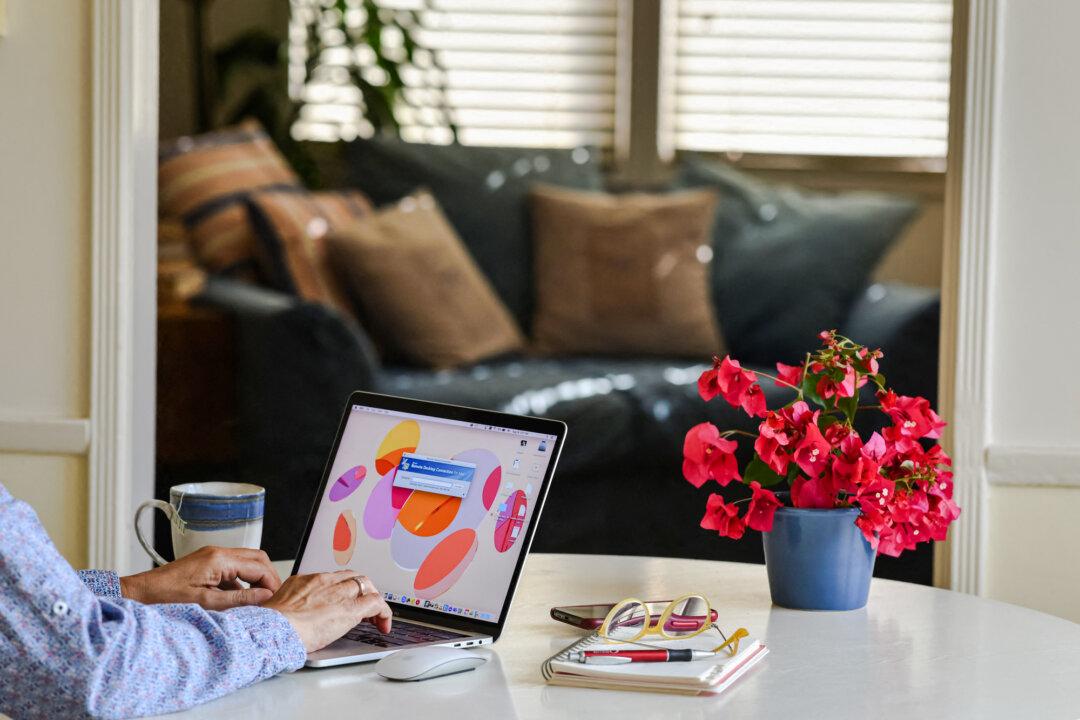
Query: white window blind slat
(809,77)
(735,47)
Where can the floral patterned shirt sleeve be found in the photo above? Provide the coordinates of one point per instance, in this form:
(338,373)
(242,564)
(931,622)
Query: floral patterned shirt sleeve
(68,653)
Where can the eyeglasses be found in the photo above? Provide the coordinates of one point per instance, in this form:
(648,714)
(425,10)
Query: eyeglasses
(630,620)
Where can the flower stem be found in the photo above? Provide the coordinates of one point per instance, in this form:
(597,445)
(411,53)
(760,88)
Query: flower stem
(778,381)
(738,432)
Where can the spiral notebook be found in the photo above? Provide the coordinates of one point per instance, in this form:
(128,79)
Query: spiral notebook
(707,676)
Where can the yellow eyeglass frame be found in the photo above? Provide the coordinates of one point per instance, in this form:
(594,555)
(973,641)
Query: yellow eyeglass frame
(731,644)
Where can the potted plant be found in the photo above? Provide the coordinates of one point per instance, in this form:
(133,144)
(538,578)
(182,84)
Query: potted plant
(848,497)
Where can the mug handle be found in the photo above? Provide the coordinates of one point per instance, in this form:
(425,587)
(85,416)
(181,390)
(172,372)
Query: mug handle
(169,511)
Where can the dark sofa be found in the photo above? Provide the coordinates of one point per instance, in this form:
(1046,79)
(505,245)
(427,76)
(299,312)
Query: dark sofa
(618,488)
(787,264)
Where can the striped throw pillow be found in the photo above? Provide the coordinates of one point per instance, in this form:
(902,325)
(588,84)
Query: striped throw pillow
(291,228)
(204,180)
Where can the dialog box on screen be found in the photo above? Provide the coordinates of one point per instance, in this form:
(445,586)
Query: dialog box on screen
(434,475)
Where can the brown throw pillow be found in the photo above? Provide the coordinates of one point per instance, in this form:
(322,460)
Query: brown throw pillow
(619,274)
(291,227)
(420,292)
(204,180)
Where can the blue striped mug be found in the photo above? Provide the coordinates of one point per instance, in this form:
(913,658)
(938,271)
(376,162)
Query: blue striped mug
(225,514)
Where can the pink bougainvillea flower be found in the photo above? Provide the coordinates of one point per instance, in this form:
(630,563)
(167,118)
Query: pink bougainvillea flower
(909,506)
(775,434)
(812,493)
(845,387)
(912,416)
(895,539)
(707,382)
(943,510)
(776,427)
(788,375)
(734,381)
(723,518)
(773,441)
(875,448)
(851,476)
(799,415)
(837,433)
(707,456)
(737,385)
(763,506)
(753,401)
(812,452)
(869,360)
(772,454)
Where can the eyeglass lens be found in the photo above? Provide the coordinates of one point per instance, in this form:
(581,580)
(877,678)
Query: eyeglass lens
(628,621)
(688,616)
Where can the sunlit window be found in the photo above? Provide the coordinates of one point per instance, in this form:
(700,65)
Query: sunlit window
(829,77)
(802,77)
(537,73)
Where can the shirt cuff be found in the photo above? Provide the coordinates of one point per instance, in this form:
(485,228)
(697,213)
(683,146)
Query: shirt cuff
(103,583)
(273,633)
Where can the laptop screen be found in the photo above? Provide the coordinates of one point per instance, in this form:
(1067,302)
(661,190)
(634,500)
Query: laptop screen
(433,510)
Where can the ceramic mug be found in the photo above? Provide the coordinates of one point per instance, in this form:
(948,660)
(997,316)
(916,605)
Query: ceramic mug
(225,514)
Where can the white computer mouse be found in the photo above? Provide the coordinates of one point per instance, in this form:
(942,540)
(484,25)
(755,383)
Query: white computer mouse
(424,663)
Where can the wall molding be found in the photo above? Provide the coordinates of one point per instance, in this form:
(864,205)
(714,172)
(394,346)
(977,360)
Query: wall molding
(966,321)
(44,435)
(123,205)
(1018,466)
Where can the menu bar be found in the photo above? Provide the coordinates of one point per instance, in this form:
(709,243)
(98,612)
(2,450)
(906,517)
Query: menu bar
(447,421)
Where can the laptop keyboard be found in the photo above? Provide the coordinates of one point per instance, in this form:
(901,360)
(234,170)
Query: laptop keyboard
(402,633)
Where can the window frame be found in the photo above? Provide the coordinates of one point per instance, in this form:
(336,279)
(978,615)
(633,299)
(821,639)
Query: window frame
(639,154)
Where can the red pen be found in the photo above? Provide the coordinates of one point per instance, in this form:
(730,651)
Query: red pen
(620,657)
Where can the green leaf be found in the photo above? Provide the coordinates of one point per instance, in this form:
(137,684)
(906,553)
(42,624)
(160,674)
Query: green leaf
(848,406)
(826,420)
(809,389)
(762,473)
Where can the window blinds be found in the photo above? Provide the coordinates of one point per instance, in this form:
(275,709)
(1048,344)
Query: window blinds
(808,77)
(509,72)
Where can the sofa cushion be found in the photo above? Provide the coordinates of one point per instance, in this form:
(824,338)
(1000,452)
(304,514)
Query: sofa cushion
(204,179)
(789,263)
(624,274)
(483,192)
(419,290)
(291,226)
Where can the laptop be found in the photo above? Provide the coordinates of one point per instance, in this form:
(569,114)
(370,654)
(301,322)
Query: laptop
(438,505)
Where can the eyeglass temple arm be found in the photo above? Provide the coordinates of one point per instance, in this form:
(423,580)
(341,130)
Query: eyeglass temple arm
(732,642)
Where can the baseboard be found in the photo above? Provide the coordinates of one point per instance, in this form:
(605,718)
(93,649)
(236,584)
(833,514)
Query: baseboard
(1033,466)
(44,436)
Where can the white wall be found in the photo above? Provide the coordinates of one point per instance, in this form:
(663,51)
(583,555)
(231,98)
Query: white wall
(45,259)
(1034,392)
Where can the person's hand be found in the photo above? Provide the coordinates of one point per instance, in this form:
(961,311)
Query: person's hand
(209,577)
(325,606)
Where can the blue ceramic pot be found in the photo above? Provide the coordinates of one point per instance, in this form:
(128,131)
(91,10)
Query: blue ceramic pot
(818,559)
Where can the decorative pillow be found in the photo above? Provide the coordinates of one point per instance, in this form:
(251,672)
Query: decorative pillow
(484,193)
(418,289)
(204,179)
(790,263)
(624,273)
(292,227)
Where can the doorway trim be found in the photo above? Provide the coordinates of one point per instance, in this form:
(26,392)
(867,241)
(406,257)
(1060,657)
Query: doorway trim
(124,49)
(965,318)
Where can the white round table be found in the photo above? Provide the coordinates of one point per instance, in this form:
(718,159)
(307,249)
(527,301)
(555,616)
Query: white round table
(914,652)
